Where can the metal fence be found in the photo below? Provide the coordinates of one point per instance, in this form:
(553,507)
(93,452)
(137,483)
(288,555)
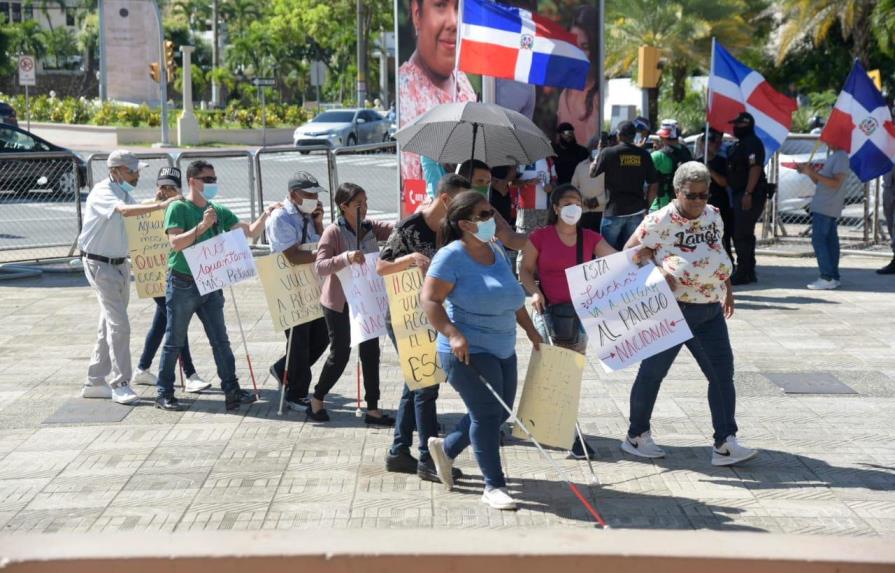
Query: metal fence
(375,168)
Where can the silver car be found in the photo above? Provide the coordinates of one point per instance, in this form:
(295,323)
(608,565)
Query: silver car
(342,127)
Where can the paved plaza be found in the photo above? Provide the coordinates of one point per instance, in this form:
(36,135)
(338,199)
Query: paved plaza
(827,462)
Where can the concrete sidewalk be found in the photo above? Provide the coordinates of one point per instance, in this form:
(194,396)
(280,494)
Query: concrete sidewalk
(827,463)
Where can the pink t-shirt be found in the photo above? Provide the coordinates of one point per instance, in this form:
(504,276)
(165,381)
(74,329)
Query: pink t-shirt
(554,257)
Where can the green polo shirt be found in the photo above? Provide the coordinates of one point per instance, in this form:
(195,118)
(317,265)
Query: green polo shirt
(185,215)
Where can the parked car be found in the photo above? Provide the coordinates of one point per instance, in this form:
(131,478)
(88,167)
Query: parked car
(20,176)
(341,128)
(8,114)
(796,190)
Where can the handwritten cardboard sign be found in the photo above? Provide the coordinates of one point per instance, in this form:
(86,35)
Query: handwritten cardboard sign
(148,248)
(413,333)
(550,397)
(292,291)
(628,311)
(367,299)
(221,261)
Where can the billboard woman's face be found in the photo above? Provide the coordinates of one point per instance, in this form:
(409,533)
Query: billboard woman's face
(436,25)
(581,36)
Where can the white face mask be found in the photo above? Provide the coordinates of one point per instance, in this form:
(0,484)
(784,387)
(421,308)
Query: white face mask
(638,139)
(570,214)
(307,206)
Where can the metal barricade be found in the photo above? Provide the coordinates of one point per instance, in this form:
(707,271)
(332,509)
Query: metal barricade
(235,171)
(145,188)
(375,168)
(274,167)
(40,202)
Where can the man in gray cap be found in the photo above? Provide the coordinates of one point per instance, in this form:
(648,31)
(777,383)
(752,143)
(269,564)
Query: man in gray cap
(294,231)
(103,245)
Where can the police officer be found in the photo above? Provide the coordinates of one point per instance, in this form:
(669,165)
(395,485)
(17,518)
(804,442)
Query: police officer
(745,175)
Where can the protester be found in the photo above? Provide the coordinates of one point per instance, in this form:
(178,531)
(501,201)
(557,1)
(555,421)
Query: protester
(413,243)
(889,214)
(628,170)
(477,338)
(568,153)
(593,193)
(504,194)
(188,223)
(294,231)
(103,245)
(667,158)
(719,193)
(581,108)
(686,238)
(428,78)
(541,175)
(642,127)
(168,185)
(340,246)
(745,176)
(478,173)
(826,207)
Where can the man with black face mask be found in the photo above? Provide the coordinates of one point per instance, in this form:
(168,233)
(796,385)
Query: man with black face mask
(568,153)
(745,168)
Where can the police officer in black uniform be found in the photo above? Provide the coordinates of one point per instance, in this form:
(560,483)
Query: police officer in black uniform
(745,175)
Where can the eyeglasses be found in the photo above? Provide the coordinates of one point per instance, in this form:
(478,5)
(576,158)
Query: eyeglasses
(207,179)
(483,215)
(697,196)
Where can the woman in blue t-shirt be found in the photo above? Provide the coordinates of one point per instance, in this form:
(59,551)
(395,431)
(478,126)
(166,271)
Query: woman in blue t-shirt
(472,298)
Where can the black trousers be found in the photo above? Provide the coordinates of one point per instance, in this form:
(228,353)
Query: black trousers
(721,200)
(309,340)
(339,328)
(744,230)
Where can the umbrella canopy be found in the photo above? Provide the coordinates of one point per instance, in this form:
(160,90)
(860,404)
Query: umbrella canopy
(455,132)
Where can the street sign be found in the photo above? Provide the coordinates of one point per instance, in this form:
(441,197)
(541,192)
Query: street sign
(318,73)
(27,71)
(264,82)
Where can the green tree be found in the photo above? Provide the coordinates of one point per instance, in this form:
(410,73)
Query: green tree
(815,19)
(28,38)
(196,13)
(61,45)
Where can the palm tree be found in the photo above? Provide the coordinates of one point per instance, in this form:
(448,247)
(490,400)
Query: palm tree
(884,25)
(239,14)
(197,13)
(815,18)
(28,38)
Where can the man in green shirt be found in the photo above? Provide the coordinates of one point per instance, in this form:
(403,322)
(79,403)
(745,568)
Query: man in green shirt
(667,158)
(188,222)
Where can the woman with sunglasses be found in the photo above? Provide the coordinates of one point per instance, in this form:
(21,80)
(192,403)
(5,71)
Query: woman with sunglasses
(686,238)
(477,337)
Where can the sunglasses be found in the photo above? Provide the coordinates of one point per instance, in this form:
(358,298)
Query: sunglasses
(697,196)
(484,215)
(207,179)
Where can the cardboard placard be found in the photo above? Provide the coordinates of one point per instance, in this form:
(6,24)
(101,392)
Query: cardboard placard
(413,333)
(148,248)
(223,260)
(292,291)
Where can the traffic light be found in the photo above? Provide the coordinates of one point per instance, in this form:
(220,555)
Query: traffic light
(169,59)
(877,79)
(647,67)
(155,72)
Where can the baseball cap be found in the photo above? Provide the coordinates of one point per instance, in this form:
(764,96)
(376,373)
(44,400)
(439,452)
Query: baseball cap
(641,124)
(744,117)
(168,176)
(626,129)
(714,134)
(667,132)
(304,181)
(122,158)
(564,126)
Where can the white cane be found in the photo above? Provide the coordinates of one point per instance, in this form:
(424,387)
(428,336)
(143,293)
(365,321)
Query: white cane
(244,343)
(286,372)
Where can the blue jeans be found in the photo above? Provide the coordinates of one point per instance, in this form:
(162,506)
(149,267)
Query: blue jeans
(481,426)
(710,347)
(154,339)
(825,240)
(417,410)
(182,299)
(617,230)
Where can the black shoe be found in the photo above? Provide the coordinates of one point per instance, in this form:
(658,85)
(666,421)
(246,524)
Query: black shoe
(384,420)
(425,470)
(401,463)
(319,416)
(743,278)
(273,372)
(171,404)
(578,452)
(888,269)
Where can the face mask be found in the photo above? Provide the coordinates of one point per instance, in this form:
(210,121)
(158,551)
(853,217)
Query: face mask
(638,139)
(486,230)
(594,153)
(740,132)
(483,190)
(307,206)
(570,214)
(125,186)
(210,191)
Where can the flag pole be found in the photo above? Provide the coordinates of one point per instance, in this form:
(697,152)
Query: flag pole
(708,104)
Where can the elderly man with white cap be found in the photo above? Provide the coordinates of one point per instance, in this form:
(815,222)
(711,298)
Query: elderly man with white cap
(103,245)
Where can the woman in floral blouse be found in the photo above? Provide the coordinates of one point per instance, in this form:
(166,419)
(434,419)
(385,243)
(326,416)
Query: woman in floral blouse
(686,238)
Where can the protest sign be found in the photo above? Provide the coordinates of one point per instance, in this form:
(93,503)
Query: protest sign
(628,311)
(367,299)
(549,403)
(413,333)
(220,261)
(148,248)
(292,291)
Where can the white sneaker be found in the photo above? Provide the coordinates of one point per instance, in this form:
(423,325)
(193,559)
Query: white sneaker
(145,378)
(123,394)
(195,384)
(443,464)
(498,498)
(642,446)
(96,390)
(823,284)
(731,452)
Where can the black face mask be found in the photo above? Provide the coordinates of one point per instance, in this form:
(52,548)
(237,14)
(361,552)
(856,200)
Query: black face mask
(742,131)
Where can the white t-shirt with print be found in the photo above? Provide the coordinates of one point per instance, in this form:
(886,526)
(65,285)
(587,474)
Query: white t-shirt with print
(690,250)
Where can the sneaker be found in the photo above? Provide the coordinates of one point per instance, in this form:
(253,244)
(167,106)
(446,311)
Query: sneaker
(96,390)
(145,378)
(443,464)
(234,398)
(277,377)
(579,452)
(195,384)
(499,498)
(425,470)
(642,446)
(731,452)
(888,269)
(402,462)
(823,284)
(171,404)
(299,405)
(122,394)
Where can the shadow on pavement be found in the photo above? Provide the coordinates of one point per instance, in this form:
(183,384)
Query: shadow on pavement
(853,280)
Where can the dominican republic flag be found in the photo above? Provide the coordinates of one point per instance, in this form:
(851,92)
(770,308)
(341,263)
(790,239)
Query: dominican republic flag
(506,42)
(862,125)
(735,88)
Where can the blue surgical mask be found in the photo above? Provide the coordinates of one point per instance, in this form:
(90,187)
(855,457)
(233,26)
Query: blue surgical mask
(210,191)
(125,186)
(486,230)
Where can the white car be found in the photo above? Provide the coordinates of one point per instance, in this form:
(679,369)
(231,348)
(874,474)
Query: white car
(341,128)
(795,190)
